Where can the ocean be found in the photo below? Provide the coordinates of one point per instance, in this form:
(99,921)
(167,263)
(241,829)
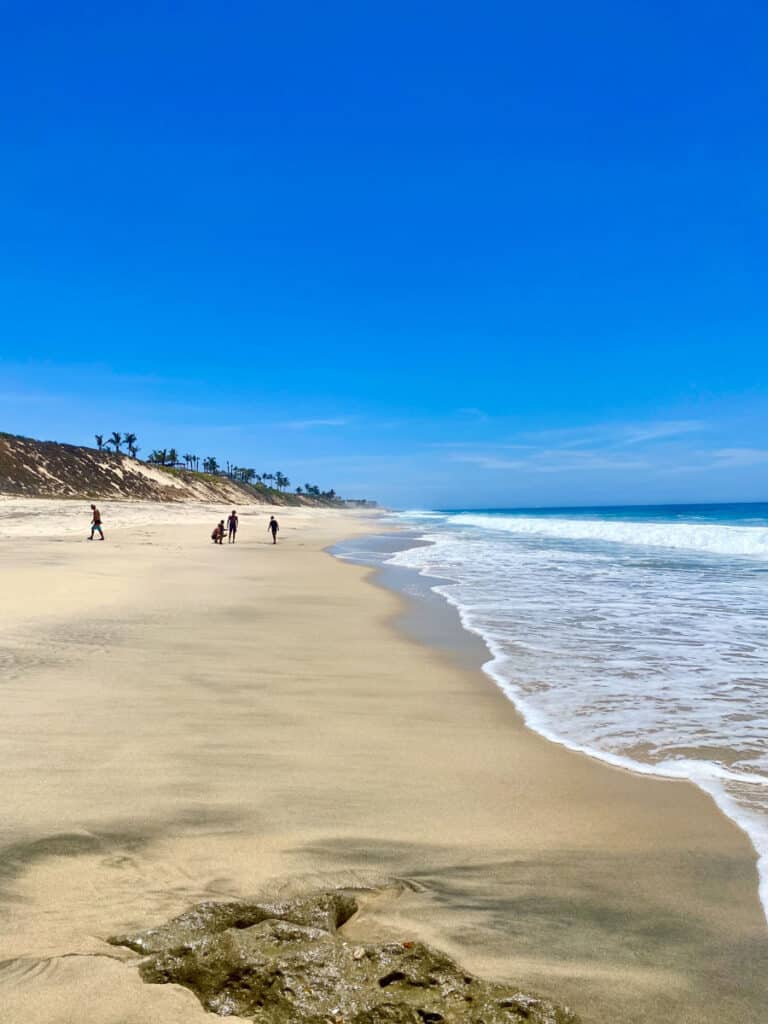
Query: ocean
(635,634)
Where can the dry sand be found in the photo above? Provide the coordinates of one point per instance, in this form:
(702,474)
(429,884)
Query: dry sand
(182,721)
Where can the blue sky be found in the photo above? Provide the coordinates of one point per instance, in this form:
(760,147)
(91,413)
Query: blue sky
(438,254)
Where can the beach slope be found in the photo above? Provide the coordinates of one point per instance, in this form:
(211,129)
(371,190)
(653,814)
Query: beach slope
(186,722)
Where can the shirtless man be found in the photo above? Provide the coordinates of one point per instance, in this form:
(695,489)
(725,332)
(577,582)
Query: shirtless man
(274,527)
(232,526)
(96,523)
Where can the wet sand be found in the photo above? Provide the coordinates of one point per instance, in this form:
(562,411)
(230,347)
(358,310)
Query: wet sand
(184,722)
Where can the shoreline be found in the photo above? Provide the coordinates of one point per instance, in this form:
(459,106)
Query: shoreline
(753,827)
(475,653)
(209,723)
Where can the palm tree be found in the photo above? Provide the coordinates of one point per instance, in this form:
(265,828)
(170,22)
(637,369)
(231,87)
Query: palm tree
(210,465)
(282,481)
(249,475)
(188,460)
(116,439)
(99,441)
(173,457)
(130,440)
(299,490)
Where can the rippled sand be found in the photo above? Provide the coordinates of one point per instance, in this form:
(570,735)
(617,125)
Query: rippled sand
(182,721)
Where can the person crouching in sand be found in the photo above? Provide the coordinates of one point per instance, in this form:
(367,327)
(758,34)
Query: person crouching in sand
(218,533)
(96,523)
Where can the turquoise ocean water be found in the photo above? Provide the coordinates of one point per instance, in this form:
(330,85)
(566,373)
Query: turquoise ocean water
(637,634)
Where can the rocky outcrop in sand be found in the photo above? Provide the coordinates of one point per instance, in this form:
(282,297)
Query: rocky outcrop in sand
(275,963)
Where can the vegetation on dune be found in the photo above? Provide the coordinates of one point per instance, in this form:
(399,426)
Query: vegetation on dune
(117,440)
(51,468)
(169,459)
(268,481)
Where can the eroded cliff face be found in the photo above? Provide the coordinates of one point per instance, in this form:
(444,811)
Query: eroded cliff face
(47,469)
(276,963)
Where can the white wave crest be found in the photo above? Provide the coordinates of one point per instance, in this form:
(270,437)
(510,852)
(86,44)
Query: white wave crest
(743,541)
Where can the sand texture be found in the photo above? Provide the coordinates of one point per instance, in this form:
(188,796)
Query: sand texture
(185,722)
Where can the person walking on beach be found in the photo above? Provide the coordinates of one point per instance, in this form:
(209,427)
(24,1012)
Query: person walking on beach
(232,526)
(274,526)
(96,523)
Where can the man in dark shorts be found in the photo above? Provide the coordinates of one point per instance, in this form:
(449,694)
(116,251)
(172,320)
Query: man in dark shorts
(218,533)
(232,526)
(274,527)
(96,523)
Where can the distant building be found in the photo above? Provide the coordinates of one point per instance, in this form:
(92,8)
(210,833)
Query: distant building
(360,503)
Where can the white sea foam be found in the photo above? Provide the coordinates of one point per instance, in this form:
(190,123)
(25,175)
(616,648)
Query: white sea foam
(418,513)
(651,661)
(747,541)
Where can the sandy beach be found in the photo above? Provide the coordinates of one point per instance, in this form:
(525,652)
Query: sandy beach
(183,721)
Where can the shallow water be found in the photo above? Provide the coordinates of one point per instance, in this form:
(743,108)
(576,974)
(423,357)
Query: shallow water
(637,635)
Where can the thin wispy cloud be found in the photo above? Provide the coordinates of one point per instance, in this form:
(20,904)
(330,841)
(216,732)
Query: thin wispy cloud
(337,421)
(481,444)
(591,462)
(475,414)
(616,434)
(662,430)
(27,397)
(740,456)
(606,447)
(577,442)
(551,461)
(490,461)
